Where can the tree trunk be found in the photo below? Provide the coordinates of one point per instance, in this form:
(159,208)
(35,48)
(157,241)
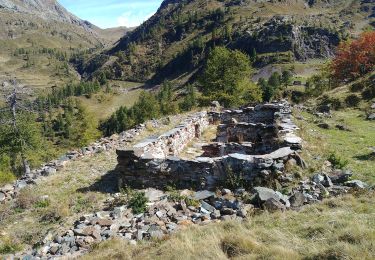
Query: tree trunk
(26,165)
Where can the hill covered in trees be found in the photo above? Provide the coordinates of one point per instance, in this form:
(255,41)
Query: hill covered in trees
(175,42)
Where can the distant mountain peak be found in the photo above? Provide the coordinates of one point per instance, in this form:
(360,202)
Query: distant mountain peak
(45,9)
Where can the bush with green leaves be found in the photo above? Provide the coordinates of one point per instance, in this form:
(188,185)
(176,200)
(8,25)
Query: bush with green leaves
(337,162)
(352,100)
(138,202)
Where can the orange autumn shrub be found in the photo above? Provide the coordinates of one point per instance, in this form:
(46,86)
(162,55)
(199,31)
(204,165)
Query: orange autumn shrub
(355,58)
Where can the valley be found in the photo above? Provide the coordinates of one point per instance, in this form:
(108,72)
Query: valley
(216,129)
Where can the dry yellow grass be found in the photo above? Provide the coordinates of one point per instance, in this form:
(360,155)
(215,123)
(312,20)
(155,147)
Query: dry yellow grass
(340,228)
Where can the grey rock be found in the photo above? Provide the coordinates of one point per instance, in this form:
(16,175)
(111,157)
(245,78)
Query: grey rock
(216,214)
(207,206)
(371,116)
(318,178)
(274,205)
(155,232)
(278,166)
(154,195)
(48,171)
(297,199)
(205,194)
(263,194)
(343,128)
(227,217)
(356,184)
(226,192)
(327,181)
(340,176)
(239,192)
(324,126)
(171,226)
(21,184)
(228,211)
(7,188)
(2,197)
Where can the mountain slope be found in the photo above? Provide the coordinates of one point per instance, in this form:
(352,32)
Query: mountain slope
(175,41)
(37,39)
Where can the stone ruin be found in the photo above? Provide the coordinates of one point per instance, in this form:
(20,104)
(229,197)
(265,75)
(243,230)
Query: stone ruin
(252,146)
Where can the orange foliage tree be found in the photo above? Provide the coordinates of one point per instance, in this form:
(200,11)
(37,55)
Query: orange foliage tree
(355,58)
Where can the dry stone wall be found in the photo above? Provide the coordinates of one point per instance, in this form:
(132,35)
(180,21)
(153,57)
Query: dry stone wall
(269,142)
(10,191)
(174,141)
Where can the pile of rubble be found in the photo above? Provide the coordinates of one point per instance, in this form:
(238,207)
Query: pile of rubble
(167,214)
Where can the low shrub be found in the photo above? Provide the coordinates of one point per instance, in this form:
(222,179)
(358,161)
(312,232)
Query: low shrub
(6,177)
(369,92)
(335,103)
(337,162)
(352,100)
(138,202)
(9,248)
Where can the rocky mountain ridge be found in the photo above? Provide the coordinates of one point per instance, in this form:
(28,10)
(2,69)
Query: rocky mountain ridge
(45,9)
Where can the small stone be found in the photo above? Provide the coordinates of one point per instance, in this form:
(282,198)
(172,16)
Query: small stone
(207,206)
(228,211)
(21,184)
(226,192)
(239,192)
(342,128)
(356,184)
(317,178)
(53,250)
(2,197)
(7,188)
(341,176)
(227,217)
(297,199)
(324,125)
(205,194)
(327,181)
(263,194)
(371,117)
(155,232)
(104,222)
(274,205)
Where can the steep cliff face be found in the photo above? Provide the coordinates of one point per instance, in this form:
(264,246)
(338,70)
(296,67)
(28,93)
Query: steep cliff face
(281,34)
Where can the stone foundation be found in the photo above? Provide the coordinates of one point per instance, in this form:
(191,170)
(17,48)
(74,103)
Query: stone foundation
(252,148)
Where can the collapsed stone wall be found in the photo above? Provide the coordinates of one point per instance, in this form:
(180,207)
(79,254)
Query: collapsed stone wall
(11,190)
(174,141)
(268,127)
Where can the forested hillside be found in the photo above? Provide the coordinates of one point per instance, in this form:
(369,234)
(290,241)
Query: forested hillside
(175,42)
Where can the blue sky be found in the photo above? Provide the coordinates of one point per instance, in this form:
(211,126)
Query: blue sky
(112,13)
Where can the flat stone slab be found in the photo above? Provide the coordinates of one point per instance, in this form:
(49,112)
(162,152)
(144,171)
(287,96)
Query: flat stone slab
(292,139)
(204,194)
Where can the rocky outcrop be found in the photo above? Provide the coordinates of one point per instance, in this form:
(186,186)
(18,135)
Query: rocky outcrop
(281,34)
(45,9)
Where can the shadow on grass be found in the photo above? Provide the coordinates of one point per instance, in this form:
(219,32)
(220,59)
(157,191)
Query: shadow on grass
(365,157)
(108,183)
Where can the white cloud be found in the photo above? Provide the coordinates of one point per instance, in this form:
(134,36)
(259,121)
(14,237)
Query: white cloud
(132,19)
